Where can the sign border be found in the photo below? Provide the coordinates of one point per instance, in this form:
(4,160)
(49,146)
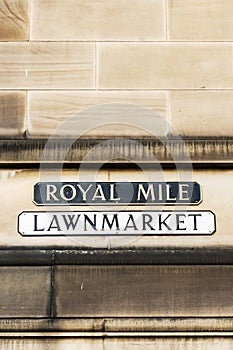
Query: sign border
(118,235)
(119,204)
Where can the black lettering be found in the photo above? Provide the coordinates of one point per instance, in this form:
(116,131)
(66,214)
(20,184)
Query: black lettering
(147,218)
(194,220)
(133,225)
(110,225)
(35,224)
(179,221)
(54,220)
(71,221)
(163,222)
(87,219)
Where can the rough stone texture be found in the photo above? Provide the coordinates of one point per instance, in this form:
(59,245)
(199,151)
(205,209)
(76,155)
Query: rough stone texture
(14,20)
(74,113)
(47,343)
(47,65)
(164,65)
(168,343)
(200,20)
(162,291)
(24,291)
(122,343)
(98,20)
(12,114)
(202,113)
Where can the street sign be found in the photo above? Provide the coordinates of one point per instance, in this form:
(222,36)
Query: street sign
(116,193)
(72,223)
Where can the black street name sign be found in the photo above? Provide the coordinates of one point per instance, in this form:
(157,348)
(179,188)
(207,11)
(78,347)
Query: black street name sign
(116,193)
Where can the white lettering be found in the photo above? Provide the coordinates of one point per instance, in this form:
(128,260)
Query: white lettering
(183,194)
(112,186)
(160,186)
(63,195)
(142,191)
(168,194)
(99,194)
(84,192)
(50,192)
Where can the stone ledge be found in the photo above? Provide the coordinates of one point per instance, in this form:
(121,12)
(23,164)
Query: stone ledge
(118,151)
(42,256)
(126,324)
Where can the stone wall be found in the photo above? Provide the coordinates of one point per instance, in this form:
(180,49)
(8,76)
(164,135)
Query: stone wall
(59,57)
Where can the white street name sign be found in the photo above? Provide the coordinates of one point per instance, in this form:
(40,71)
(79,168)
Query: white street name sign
(73,223)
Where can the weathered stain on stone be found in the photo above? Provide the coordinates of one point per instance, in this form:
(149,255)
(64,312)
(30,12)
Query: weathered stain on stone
(14,21)
(12,113)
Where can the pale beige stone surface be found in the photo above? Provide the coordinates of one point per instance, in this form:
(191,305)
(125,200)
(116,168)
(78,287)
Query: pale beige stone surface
(12,113)
(43,65)
(14,20)
(143,291)
(72,113)
(164,65)
(200,20)
(52,343)
(98,20)
(24,291)
(170,343)
(16,192)
(202,113)
(167,342)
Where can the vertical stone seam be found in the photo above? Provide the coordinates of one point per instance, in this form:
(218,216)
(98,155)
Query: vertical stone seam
(26,117)
(29,20)
(232,59)
(96,66)
(52,286)
(166,14)
(168,112)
